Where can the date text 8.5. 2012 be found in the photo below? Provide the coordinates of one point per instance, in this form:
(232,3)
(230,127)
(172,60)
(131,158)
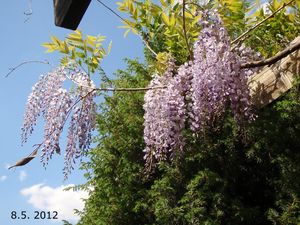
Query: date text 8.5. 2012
(37,215)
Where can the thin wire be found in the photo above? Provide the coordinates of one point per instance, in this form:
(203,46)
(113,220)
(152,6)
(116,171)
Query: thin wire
(126,22)
(110,9)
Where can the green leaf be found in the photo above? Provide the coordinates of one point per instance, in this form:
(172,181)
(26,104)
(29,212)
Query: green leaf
(74,41)
(109,47)
(134,31)
(64,61)
(165,19)
(101,38)
(80,55)
(163,3)
(55,40)
(126,32)
(172,20)
(76,34)
(66,48)
(50,47)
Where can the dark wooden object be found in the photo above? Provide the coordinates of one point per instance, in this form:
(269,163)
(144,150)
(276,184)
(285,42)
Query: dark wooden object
(68,13)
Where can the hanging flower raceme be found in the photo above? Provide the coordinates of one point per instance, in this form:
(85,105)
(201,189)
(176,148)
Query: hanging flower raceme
(164,117)
(83,120)
(56,104)
(217,78)
(199,91)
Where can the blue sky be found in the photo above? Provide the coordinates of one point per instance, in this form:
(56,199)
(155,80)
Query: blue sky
(32,188)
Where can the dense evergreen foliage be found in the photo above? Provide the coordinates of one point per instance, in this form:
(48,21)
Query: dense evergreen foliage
(229,175)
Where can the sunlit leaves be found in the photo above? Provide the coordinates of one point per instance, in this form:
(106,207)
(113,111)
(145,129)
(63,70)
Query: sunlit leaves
(163,22)
(76,48)
(233,13)
(277,32)
(161,62)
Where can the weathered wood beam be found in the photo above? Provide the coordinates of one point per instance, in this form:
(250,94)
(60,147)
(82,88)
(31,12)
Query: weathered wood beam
(272,81)
(68,13)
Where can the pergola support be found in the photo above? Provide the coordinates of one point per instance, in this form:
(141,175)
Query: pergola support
(274,80)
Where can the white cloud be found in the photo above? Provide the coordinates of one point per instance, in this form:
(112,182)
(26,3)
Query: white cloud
(22,175)
(48,198)
(3,178)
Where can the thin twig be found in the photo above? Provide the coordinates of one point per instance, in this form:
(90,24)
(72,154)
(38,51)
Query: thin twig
(273,59)
(119,89)
(261,22)
(112,89)
(11,70)
(130,89)
(184,29)
(120,17)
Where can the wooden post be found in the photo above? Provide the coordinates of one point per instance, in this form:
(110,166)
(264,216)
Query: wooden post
(272,81)
(68,13)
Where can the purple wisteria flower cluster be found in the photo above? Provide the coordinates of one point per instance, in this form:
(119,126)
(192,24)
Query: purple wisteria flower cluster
(197,94)
(218,79)
(164,116)
(51,100)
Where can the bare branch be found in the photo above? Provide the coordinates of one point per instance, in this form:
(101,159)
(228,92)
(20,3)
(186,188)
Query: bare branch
(275,58)
(11,70)
(130,89)
(261,22)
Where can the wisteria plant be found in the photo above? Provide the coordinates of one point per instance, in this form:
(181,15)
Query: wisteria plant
(193,96)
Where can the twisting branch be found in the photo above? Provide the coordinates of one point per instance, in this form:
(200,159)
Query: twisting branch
(11,70)
(260,23)
(275,58)
(184,29)
(120,17)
